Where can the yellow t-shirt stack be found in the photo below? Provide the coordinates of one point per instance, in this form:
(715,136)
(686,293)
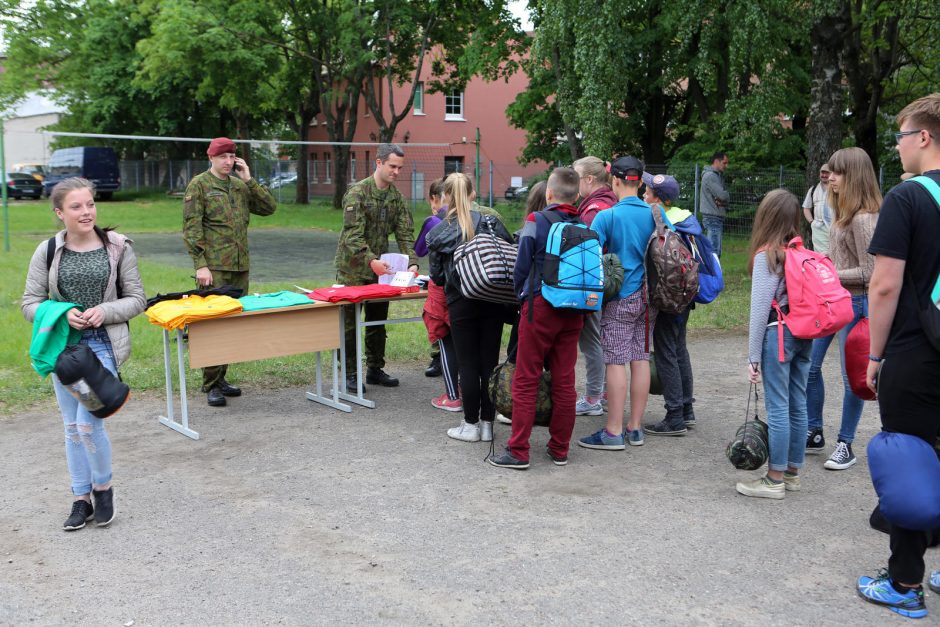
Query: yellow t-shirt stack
(176,314)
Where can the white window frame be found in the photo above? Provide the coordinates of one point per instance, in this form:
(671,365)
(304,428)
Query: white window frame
(313,173)
(327,167)
(352,167)
(419,94)
(454,117)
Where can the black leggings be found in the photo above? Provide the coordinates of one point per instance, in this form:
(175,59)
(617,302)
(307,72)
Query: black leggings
(476,327)
(909,400)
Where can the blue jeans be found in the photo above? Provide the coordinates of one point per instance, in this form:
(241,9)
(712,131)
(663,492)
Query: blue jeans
(713,228)
(87,447)
(816,389)
(785,397)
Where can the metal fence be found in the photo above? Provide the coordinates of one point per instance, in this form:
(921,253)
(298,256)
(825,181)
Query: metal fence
(746,187)
(281,176)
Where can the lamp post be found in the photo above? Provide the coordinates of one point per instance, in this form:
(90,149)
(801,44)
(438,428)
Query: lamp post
(3,184)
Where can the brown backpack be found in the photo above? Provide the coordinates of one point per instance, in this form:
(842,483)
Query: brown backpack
(671,269)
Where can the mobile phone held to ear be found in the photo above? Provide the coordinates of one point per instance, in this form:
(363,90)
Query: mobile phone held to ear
(236,167)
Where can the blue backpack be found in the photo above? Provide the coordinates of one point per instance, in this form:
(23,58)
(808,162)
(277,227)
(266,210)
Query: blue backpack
(711,281)
(573,272)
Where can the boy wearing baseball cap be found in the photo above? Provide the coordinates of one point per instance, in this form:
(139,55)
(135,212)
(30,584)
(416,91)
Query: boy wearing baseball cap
(626,321)
(669,334)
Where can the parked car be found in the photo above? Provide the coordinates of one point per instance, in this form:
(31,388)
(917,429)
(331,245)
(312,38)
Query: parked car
(20,185)
(95,163)
(513,193)
(36,170)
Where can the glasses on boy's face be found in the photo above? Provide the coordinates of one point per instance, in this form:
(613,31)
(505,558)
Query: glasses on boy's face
(899,135)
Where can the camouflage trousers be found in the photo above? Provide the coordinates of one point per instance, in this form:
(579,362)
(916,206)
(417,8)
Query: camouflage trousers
(374,340)
(212,375)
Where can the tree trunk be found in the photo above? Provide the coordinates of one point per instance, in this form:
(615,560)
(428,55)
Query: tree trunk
(824,126)
(304,117)
(340,174)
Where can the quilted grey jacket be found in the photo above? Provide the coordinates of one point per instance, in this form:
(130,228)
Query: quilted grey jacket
(42,284)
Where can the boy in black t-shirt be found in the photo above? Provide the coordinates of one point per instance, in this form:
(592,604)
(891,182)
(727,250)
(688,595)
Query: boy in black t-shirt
(903,363)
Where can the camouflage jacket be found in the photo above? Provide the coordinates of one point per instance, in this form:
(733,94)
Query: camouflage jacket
(215,220)
(370,215)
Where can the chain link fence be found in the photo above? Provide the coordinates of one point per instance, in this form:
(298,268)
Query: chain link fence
(493,180)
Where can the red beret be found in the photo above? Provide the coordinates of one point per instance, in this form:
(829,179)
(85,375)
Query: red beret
(220,145)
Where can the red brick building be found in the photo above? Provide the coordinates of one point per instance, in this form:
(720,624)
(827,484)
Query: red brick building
(451,119)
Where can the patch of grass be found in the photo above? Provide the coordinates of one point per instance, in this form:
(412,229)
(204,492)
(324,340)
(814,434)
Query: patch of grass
(33,222)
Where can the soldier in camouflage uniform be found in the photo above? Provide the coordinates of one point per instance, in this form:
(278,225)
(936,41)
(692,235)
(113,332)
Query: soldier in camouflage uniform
(215,230)
(373,208)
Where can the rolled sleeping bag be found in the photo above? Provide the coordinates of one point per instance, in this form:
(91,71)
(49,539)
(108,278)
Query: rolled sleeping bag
(93,385)
(906,474)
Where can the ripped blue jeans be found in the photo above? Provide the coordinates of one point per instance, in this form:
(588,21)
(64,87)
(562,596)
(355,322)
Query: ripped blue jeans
(87,447)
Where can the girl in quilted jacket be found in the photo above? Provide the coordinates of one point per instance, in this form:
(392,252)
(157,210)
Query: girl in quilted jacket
(775,224)
(95,268)
(475,325)
(856,199)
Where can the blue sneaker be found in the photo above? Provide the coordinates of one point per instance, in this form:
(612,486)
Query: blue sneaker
(635,438)
(585,408)
(880,591)
(934,582)
(603,440)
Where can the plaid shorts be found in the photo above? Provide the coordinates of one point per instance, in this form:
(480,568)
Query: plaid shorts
(624,329)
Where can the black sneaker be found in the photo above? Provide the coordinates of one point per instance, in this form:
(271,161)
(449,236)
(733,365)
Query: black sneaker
(82,511)
(664,428)
(104,506)
(506,460)
(841,458)
(815,442)
(558,460)
(377,376)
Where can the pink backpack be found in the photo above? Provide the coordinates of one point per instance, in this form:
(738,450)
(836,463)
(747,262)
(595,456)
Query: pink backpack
(819,305)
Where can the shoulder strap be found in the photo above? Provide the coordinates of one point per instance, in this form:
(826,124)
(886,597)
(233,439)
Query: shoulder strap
(930,185)
(50,252)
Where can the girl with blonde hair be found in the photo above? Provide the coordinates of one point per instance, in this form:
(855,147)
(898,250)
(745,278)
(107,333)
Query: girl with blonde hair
(476,326)
(856,199)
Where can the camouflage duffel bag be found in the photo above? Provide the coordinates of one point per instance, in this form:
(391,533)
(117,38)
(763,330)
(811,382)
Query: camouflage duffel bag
(750,447)
(501,393)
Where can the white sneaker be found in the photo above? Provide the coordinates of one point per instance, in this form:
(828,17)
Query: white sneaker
(486,431)
(466,432)
(503,419)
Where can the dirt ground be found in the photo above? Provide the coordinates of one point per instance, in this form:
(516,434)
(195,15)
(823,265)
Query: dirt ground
(288,512)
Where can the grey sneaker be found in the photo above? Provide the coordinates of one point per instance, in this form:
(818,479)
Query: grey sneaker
(634,438)
(584,408)
(506,460)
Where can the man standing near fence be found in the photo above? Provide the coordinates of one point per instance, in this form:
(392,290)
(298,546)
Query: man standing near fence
(817,212)
(373,209)
(714,199)
(216,210)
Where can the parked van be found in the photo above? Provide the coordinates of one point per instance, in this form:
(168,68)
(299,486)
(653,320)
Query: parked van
(97,164)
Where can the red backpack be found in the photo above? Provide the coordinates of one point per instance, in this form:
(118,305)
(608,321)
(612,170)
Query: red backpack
(819,305)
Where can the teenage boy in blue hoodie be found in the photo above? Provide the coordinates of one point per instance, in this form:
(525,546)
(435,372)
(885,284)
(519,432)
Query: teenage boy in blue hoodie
(547,335)
(669,334)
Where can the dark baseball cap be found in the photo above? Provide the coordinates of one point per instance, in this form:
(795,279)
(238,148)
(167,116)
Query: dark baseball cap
(627,168)
(664,186)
